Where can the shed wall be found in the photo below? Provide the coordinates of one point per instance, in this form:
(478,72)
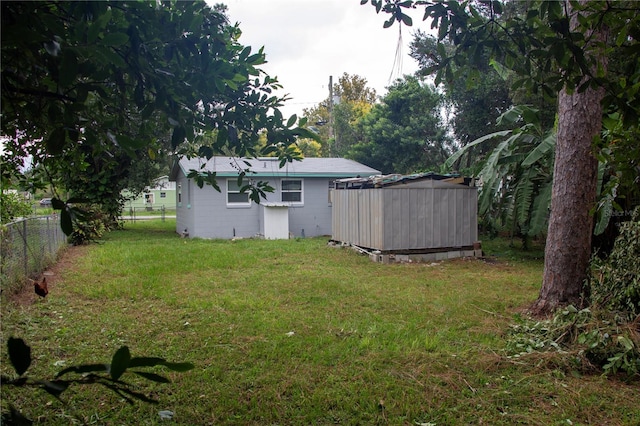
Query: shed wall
(406,218)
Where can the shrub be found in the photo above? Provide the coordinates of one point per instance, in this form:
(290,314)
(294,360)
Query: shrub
(90,224)
(614,282)
(13,205)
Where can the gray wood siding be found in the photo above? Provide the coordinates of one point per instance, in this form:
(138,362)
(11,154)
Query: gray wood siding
(403,218)
(358,217)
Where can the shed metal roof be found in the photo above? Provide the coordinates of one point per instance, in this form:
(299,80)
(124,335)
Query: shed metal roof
(379,181)
(265,167)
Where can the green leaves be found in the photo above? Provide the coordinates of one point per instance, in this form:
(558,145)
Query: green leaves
(127,81)
(201,178)
(56,141)
(517,174)
(178,136)
(123,362)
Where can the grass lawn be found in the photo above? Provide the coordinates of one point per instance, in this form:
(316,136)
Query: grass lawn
(298,333)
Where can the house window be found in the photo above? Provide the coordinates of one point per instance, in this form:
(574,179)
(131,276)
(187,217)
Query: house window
(163,195)
(234,196)
(291,190)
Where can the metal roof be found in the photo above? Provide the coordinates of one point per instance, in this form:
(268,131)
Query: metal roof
(307,167)
(379,181)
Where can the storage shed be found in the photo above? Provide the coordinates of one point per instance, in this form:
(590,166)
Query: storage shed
(426,214)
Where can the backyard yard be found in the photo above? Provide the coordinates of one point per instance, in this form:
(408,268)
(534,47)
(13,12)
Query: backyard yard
(295,332)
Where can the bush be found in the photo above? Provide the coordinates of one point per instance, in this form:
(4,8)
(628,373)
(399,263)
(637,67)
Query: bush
(90,224)
(13,205)
(614,282)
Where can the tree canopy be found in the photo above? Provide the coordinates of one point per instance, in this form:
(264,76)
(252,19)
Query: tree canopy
(404,132)
(477,101)
(335,119)
(89,88)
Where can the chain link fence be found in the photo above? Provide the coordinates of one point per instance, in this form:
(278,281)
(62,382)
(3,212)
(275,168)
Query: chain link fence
(142,213)
(28,247)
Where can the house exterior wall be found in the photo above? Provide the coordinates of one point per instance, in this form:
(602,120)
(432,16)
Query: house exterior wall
(184,212)
(406,217)
(314,217)
(212,218)
(204,212)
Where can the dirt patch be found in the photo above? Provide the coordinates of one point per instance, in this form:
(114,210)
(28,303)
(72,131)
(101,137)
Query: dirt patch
(66,260)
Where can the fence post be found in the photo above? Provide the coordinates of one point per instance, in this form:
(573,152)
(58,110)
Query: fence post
(49,236)
(24,248)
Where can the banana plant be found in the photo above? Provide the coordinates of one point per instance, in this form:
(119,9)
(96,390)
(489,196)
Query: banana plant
(517,175)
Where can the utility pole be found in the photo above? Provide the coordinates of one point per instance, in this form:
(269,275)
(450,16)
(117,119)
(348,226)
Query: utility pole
(330,107)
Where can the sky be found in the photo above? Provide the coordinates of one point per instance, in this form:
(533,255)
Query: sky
(306,41)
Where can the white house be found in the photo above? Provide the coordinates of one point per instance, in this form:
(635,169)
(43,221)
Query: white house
(299,206)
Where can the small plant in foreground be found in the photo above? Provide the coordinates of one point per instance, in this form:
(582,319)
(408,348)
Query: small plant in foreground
(107,375)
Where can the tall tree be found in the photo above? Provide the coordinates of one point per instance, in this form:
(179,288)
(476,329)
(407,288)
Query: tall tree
(560,47)
(353,100)
(477,100)
(86,87)
(404,132)
(575,182)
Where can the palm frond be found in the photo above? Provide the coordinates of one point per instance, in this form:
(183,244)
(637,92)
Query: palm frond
(540,212)
(545,147)
(524,197)
(453,158)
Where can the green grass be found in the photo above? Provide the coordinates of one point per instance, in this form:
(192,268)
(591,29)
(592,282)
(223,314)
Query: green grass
(297,333)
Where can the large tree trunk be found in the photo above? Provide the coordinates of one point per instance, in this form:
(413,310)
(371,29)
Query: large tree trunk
(568,246)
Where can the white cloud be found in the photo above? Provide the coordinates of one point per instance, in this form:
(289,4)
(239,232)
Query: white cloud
(306,41)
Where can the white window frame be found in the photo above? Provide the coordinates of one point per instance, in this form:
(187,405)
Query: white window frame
(283,191)
(236,190)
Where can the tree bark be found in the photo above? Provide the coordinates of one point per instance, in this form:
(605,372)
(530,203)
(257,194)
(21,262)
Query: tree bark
(568,246)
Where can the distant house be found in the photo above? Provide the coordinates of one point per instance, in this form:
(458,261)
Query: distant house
(299,206)
(161,193)
(428,216)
